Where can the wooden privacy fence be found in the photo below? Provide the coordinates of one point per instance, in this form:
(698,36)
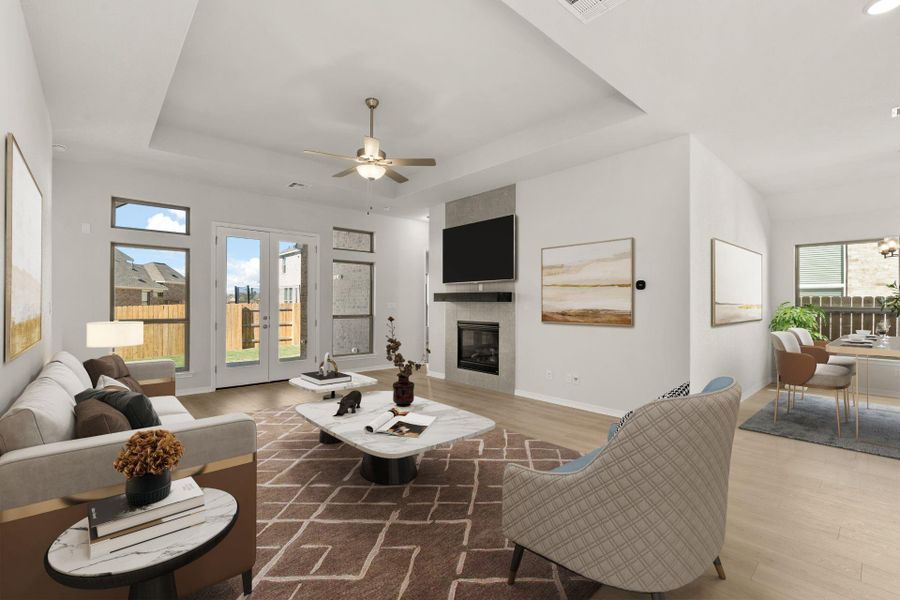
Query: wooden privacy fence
(846,314)
(241,328)
(242,325)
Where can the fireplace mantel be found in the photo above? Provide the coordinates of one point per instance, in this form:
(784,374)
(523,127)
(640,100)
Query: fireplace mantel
(473,296)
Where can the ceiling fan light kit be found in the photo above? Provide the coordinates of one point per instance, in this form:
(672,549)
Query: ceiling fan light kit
(373,163)
(880,7)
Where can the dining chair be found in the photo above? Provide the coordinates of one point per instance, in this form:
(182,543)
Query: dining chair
(797,367)
(817,349)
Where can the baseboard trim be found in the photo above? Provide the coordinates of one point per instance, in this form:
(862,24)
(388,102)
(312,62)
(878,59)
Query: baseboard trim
(600,410)
(373,368)
(436,374)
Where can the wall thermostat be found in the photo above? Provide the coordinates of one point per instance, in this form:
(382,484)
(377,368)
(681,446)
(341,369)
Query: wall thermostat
(640,284)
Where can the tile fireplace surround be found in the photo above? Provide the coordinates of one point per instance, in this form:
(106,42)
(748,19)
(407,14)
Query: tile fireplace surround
(504,314)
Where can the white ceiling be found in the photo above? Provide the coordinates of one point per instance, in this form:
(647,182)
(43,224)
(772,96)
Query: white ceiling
(793,95)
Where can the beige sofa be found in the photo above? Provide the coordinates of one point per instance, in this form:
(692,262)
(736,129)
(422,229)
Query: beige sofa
(47,477)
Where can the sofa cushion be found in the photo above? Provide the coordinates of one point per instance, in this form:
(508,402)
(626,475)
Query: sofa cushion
(64,376)
(136,407)
(94,417)
(75,366)
(113,366)
(43,414)
(830,376)
(105,382)
(168,405)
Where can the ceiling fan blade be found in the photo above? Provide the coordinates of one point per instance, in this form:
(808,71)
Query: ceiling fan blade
(345,172)
(395,175)
(330,155)
(409,162)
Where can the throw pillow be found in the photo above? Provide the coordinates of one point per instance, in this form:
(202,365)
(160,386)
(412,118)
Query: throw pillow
(105,381)
(94,417)
(135,406)
(677,392)
(113,366)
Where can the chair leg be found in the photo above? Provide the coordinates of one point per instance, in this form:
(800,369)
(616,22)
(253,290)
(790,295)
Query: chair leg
(247,581)
(657,596)
(719,569)
(837,411)
(777,397)
(846,406)
(518,551)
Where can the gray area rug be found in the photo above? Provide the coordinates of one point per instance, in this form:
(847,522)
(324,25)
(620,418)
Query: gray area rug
(812,420)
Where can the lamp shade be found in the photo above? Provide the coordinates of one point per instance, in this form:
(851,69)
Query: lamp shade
(114,334)
(370,171)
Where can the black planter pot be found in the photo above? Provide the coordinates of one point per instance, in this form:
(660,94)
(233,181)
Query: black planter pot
(403,391)
(147,489)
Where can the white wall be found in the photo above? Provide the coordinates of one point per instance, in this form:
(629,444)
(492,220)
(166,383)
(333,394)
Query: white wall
(641,194)
(854,225)
(724,206)
(23,112)
(81,268)
(436,310)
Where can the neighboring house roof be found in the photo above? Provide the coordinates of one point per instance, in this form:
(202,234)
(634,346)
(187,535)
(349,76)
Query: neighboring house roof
(129,275)
(163,273)
(290,251)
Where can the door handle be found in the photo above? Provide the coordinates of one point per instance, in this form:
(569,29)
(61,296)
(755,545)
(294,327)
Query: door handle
(265,326)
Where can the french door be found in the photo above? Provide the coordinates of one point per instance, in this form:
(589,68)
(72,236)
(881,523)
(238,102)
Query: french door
(265,305)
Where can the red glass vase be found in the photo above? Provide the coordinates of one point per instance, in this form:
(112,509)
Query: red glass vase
(403,391)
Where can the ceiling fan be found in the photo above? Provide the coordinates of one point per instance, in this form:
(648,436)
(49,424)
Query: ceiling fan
(371,160)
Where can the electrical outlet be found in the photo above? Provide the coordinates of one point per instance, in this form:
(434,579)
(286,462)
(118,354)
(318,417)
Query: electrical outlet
(549,374)
(576,379)
(568,378)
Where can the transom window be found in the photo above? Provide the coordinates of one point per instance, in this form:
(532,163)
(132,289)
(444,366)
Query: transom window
(150,216)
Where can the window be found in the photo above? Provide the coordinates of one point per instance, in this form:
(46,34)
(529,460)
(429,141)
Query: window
(353,284)
(151,284)
(150,216)
(844,270)
(352,239)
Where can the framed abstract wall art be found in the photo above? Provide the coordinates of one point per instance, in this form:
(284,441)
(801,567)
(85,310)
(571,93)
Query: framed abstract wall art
(589,284)
(23,254)
(737,285)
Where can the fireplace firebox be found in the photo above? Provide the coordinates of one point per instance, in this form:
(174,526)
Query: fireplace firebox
(478,346)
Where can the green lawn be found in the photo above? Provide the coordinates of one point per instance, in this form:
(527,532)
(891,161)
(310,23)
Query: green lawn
(251,354)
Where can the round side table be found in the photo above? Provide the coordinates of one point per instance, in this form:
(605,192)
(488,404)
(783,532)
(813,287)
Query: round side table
(148,567)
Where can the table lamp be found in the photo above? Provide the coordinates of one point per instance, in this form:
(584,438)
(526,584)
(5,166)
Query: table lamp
(114,334)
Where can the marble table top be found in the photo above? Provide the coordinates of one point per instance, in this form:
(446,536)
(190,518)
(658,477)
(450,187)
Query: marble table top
(450,424)
(358,380)
(888,348)
(70,553)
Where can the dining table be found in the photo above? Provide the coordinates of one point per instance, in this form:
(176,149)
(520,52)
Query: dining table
(872,347)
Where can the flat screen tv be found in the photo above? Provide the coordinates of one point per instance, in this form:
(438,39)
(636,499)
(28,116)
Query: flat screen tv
(482,251)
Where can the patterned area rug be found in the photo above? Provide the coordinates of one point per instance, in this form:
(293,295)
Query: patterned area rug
(324,532)
(813,420)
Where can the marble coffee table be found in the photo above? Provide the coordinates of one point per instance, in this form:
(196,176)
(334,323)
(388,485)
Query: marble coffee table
(148,567)
(390,459)
(357,380)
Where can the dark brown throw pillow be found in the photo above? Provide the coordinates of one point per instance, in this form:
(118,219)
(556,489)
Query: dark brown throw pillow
(134,406)
(93,417)
(113,366)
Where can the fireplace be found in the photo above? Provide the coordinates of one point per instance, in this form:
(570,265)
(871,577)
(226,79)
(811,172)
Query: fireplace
(478,346)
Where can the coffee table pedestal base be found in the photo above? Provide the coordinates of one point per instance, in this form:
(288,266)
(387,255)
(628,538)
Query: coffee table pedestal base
(327,438)
(158,588)
(388,471)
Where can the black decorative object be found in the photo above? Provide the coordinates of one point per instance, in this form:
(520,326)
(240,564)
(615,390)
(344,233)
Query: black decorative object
(473,296)
(404,391)
(349,403)
(640,284)
(403,387)
(148,488)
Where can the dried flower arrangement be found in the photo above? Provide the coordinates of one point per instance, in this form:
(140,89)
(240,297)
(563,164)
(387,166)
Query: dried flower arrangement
(405,366)
(152,451)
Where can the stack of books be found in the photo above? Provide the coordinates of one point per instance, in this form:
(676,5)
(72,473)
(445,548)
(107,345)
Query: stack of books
(332,378)
(115,525)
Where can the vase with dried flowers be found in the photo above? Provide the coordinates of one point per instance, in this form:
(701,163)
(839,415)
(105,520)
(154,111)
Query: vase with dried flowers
(403,388)
(146,460)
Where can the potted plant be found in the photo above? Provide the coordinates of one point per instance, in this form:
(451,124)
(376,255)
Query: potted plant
(403,387)
(890,305)
(146,460)
(808,317)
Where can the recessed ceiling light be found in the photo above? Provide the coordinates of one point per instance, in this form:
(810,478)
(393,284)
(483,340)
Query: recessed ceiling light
(880,7)
(895,112)
(60,147)
(296,184)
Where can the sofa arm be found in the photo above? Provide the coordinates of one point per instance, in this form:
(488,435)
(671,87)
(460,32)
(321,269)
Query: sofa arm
(157,377)
(72,468)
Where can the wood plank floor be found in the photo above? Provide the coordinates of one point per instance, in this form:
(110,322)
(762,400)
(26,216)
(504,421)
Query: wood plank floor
(804,520)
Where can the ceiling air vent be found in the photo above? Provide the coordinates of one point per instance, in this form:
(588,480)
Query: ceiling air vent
(588,10)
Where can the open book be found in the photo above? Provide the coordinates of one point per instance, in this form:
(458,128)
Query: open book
(399,423)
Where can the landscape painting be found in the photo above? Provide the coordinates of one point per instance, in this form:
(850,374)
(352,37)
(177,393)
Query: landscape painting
(588,284)
(23,254)
(736,284)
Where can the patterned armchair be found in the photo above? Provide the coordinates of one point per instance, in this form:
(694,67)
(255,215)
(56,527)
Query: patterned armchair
(647,512)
